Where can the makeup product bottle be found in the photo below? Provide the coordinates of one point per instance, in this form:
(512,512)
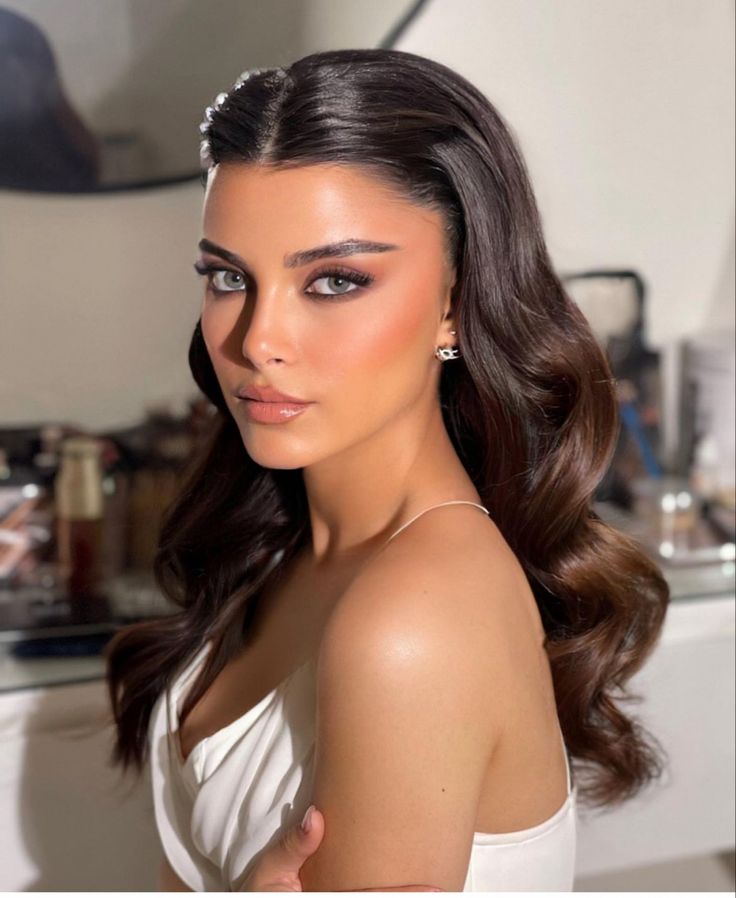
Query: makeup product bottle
(80,516)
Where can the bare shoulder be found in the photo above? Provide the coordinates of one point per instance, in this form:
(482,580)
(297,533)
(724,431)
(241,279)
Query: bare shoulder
(449,579)
(443,601)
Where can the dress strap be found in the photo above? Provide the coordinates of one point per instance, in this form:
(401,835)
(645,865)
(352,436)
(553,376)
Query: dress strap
(450,502)
(567,761)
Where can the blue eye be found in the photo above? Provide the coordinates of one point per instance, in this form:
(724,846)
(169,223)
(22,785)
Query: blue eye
(358,279)
(211,270)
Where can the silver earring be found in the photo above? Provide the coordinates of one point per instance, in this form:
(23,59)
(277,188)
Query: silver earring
(449,352)
(445,353)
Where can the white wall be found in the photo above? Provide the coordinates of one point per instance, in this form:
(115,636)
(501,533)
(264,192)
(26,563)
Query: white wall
(98,300)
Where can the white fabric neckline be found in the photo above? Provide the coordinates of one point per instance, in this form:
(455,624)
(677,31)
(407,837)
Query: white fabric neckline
(235,727)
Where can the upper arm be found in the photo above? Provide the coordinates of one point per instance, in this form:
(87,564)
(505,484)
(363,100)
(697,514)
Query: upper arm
(403,740)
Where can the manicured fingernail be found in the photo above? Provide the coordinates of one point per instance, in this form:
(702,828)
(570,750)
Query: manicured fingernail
(306,823)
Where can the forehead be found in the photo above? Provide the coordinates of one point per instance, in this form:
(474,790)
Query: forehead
(298,204)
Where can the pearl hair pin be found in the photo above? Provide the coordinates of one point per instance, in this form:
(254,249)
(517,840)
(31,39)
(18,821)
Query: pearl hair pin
(249,73)
(204,156)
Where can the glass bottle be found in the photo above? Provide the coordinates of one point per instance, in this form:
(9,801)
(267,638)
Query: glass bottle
(80,516)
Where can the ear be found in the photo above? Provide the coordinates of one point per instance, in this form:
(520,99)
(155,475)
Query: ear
(447,316)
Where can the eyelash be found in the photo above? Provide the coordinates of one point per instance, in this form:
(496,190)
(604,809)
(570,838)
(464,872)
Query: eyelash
(357,278)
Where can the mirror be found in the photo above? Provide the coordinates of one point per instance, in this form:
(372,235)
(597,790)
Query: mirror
(108,94)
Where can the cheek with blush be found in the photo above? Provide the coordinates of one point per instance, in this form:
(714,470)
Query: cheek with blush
(377,359)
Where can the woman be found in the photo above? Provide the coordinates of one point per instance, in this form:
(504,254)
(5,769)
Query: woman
(395,596)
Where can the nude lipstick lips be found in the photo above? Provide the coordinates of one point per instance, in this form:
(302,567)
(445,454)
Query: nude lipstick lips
(266,405)
(273,412)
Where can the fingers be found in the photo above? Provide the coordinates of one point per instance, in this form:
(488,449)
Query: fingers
(281,862)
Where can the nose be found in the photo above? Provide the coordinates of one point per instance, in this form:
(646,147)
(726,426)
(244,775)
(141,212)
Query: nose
(266,338)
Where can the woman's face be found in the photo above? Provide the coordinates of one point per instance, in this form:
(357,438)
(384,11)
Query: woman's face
(353,334)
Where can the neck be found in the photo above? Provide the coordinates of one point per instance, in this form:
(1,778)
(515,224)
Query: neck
(358,498)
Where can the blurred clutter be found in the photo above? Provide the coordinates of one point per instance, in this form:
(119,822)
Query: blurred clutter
(682,510)
(80,515)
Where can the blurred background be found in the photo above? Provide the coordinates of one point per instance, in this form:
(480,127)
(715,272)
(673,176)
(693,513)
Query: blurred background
(624,110)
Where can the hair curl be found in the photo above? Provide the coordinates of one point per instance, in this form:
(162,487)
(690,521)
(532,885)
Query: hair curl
(531,409)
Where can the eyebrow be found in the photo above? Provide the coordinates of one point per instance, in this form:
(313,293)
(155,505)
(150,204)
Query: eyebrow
(348,247)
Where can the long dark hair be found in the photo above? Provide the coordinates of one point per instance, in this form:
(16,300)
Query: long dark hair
(531,409)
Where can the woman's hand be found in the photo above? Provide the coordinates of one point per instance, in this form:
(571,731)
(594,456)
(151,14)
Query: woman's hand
(277,869)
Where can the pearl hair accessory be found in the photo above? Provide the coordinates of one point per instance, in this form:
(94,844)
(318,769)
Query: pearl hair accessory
(204,149)
(249,73)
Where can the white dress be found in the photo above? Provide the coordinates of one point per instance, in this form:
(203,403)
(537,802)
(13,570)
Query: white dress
(241,787)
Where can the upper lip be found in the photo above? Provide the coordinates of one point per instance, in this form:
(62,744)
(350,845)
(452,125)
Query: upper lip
(266,394)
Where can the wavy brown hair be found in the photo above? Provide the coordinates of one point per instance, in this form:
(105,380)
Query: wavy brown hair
(531,408)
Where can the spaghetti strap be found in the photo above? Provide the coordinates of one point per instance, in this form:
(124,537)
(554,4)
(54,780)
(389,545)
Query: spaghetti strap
(567,762)
(450,502)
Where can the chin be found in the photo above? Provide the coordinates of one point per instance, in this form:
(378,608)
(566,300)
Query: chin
(282,458)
